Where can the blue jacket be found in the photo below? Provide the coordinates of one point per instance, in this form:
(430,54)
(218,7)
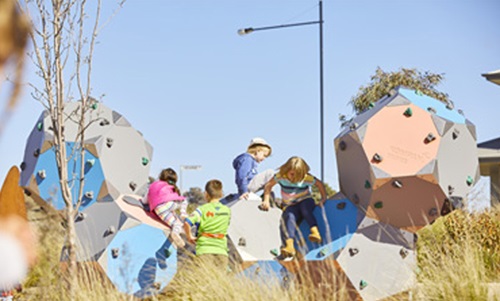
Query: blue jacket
(246,168)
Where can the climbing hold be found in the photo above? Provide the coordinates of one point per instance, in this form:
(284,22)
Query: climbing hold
(342,145)
(94,106)
(408,112)
(275,252)
(145,161)
(23,165)
(322,253)
(355,198)
(89,194)
(109,142)
(371,105)
(341,205)
(367,184)
(353,251)
(377,158)
(90,162)
(455,134)
(431,110)
(42,174)
(397,184)
(36,153)
(430,137)
(109,231)
(115,252)
(450,106)
(353,126)
(242,242)
(104,122)
(167,253)
(470,180)
(362,284)
(433,212)
(39,126)
(461,112)
(451,189)
(418,92)
(378,205)
(80,216)
(257,270)
(132,185)
(403,252)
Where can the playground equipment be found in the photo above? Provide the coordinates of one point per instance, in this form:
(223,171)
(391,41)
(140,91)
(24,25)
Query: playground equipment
(129,246)
(403,163)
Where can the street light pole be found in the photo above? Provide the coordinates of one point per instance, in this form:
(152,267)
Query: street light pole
(248,30)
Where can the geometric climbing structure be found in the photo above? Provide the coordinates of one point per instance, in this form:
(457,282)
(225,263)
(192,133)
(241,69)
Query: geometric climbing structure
(252,233)
(402,163)
(408,159)
(373,260)
(128,244)
(114,233)
(116,158)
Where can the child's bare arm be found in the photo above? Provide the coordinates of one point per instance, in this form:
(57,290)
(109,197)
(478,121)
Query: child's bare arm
(267,192)
(322,191)
(189,235)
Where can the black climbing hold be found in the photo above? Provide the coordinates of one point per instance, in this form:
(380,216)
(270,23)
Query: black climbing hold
(23,165)
(341,205)
(431,110)
(115,252)
(353,126)
(433,212)
(377,158)
(455,134)
(242,242)
(109,231)
(42,174)
(80,216)
(378,205)
(109,142)
(470,180)
(403,252)
(430,137)
(104,122)
(367,184)
(342,145)
(397,184)
(36,153)
(89,195)
(132,185)
(353,251)
(450,106)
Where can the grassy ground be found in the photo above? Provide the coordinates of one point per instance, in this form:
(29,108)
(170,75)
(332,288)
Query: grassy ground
(457,255)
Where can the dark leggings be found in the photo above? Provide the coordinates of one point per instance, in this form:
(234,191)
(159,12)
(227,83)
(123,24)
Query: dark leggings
(294,215)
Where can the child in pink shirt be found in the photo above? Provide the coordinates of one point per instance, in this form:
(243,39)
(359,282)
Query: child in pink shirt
(164,198)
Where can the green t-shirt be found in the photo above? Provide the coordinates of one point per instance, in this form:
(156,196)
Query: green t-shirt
(213,220)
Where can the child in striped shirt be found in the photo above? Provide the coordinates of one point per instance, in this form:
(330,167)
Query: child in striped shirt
(297,201)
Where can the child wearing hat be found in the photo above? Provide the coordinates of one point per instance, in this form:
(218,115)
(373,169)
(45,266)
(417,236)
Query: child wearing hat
(245,165)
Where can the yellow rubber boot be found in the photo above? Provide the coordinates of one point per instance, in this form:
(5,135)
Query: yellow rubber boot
(314,236)
(289,249)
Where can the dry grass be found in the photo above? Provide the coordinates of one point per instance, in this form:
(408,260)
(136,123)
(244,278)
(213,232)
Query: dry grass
(457,255)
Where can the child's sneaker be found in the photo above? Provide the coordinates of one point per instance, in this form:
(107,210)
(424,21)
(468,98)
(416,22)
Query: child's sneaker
(315,236)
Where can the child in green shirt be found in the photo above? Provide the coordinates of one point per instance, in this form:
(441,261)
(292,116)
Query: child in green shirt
(213,221)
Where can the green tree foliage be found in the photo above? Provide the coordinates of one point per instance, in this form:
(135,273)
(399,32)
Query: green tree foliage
(382,82)
(195,195)
(329,192)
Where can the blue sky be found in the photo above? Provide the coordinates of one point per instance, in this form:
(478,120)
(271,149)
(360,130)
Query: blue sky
(178,71)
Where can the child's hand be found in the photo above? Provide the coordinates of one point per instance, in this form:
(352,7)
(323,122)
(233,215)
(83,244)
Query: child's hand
(264,206)
(191,239)
(245,196)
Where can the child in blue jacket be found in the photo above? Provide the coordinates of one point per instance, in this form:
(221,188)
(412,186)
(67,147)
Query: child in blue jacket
(245,165)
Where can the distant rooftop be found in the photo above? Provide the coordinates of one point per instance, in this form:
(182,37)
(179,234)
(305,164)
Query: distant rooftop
(489,151)
(493,76)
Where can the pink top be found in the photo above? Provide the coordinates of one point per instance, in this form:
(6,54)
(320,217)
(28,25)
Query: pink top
(161,192)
